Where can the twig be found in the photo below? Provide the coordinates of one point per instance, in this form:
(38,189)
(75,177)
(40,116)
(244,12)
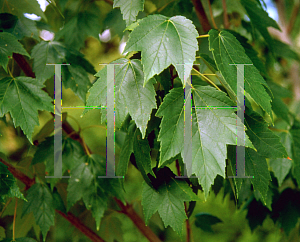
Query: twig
(293,18)
(14,222)
(201,15)
(21,61)
(80,226)
(207,79)
(211,15)
(136,219)
(128,210)
(187,225)
(225,15)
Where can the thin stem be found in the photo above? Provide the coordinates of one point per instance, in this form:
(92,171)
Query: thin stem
(5,206)
(14,222)
(207,79)
(279,130)
(201,15)
(187,225)
(211,15)
(225,15)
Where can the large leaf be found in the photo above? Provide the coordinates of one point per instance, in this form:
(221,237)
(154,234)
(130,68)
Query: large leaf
(172,41)
(18,8)
(40,203)
(212,130)
(74,76)
(130,95)
(23,97)
(260,20)
(168,200)
(295,131)
(9,45)
(129,9)
(6,180)
(227,50)
(214,126)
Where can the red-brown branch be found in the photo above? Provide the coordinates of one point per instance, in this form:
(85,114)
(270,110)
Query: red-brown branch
(225,15)
(21,61)
(201,15)
(70,217)
(138,221)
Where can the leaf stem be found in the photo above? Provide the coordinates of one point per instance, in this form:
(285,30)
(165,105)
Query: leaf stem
(14,222)
(211,15)
(201,15)
(5,206)
(203,36)
(207,79)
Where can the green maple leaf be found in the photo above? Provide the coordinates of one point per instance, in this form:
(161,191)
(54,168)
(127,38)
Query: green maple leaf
(78,28)
(172,40)
(18,8)
(40,203)
(129,9)
(212,129)
(227,50)
(74,76)
(19,27)
(260,20)
(84,183)
(23,97)
(168,200)
(130,94)
(9,45)
(265,141)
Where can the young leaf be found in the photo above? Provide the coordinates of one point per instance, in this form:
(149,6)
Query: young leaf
(23,97)
(130,95)
(227,50)
(9,45)
(172,40)
(168,200)
(40,202)
(129,9)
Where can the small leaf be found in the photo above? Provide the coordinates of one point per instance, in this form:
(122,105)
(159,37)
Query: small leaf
(206,220)
(168,200)
(129,9)
(23,97)
(40,202)
(9,45)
